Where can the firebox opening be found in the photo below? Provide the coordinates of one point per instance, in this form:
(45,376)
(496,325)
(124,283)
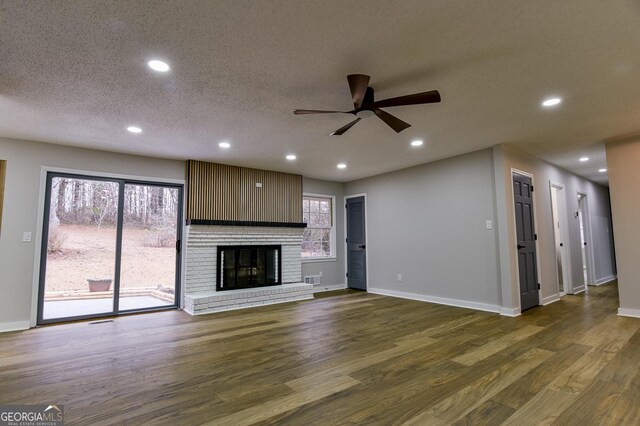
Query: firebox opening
(248,267)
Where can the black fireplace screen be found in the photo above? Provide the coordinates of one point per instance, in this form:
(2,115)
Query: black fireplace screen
(248,267)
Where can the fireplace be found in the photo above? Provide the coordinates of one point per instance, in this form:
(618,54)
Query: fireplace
(248,266)
(203,270)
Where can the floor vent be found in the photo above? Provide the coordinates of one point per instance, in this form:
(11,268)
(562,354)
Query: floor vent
(312,279)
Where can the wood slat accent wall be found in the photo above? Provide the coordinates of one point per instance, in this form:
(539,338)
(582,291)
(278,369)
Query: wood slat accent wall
(221,192)
(3,174)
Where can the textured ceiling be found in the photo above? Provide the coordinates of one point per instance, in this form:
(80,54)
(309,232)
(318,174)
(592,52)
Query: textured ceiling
(74,72)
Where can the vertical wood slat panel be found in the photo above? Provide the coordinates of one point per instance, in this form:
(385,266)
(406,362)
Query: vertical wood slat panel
(3,174)
(222,192)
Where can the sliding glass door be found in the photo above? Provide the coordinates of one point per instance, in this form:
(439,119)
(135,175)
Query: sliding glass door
(149,235)
(81,242)
(109,246)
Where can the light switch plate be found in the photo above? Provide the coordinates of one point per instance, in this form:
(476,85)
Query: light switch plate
(26,237)
(489,224)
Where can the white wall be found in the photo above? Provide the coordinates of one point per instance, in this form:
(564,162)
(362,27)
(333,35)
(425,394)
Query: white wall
(428,223)
(599,217)
(333,271)
(22,198)
(623,163)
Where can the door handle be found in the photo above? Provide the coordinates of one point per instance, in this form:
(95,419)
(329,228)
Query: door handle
(521,247)
(178,245)
(561,244)
(363,246)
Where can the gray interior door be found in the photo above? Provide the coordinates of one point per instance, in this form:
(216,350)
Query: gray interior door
(525,234)
(356,244)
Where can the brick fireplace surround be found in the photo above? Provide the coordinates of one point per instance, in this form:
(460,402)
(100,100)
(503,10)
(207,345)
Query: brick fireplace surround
(201,296)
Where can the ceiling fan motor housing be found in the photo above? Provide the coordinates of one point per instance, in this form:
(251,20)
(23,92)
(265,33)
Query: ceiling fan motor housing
(368,97)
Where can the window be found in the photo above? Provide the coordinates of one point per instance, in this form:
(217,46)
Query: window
(319,235)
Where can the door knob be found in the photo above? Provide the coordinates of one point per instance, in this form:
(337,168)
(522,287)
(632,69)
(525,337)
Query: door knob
(521,247)
(561,244)
(362,246)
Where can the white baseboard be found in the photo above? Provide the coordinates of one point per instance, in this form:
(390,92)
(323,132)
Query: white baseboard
(626,312)
(14,326)
(318,288)
(439,300)
(606,280)
(550,299)
(510,312)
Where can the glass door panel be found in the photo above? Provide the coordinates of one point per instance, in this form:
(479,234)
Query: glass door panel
(149,256)
(79,248)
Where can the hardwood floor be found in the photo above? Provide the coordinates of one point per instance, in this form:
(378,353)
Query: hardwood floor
(344,358)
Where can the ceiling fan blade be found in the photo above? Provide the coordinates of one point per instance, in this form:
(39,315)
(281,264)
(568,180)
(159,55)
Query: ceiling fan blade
(312,111)
(343,129)
(429,97)
(358,84)
(394,122)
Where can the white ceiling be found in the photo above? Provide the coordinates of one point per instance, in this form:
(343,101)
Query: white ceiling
(74,72)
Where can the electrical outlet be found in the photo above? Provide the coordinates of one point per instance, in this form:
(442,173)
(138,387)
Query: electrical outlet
(399,278)
(26,237)
(489,224)
(320,274)
(258,184)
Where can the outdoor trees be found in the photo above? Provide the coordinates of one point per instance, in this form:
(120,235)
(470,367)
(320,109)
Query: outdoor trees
(84,202)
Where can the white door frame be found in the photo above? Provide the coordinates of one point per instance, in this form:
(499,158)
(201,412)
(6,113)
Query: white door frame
(515,233)
(564,230)
(366,237)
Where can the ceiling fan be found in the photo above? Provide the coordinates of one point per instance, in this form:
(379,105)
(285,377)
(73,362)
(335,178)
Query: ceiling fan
(364,104)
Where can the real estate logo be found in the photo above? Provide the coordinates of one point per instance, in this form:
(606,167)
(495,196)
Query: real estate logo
(31,415)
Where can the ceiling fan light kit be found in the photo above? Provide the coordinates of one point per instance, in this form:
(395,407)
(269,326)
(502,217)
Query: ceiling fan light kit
(364,104)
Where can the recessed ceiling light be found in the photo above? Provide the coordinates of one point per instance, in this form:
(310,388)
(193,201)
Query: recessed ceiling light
(551,102)
(602,170)
(134,129)
(159,66)
(291,157)
(224,145)
(583,159)
(417,142)
(342,166)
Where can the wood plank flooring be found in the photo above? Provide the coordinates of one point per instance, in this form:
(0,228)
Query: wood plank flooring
(345,358)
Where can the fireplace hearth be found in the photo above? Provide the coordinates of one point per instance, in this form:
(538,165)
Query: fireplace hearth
(248,266)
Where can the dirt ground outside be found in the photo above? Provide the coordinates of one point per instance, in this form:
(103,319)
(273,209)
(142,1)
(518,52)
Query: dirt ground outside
(87,252)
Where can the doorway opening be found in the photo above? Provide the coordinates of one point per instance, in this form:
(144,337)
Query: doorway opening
(561,237)
(526,240)
(356,242)
(584,254)
(109,246)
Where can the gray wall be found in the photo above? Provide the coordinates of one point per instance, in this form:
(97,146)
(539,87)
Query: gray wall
(428,223)
(599,217)
(333,271)
(22,196)
(623,160)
